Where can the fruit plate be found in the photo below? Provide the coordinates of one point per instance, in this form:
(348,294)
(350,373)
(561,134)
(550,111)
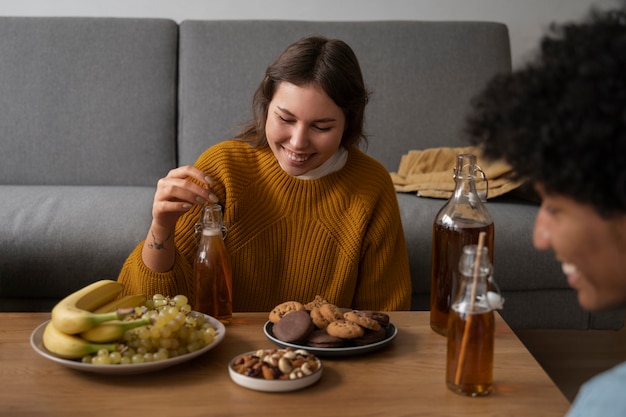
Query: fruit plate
(273,385)
(391,334)
(36,341)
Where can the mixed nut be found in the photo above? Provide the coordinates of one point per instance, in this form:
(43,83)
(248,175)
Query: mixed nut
(284,364)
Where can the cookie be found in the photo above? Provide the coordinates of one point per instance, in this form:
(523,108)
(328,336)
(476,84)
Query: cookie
(282,309)
(345,329)
(293,327)
(380,317)
(318,301)
(362,321)
(318,318)
(370,336)
(331,312)
(321,339)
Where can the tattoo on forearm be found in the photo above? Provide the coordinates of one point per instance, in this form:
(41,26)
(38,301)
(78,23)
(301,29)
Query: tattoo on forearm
(156,244)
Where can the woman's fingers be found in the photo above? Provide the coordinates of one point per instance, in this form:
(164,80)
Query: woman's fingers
(175,193)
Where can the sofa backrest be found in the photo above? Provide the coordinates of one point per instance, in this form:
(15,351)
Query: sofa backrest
(87,101)
(421,75)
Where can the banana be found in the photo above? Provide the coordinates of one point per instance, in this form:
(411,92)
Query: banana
(127,301)
(70,346)
(111,331)
(74,314)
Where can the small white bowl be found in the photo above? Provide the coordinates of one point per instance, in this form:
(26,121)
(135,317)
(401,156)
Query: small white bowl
(273,385)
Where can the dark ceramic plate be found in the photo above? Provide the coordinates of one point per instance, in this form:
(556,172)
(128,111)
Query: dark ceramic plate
(392,332)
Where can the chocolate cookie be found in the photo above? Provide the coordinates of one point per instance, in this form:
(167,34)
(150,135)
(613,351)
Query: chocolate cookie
(293,327)
(321,339)
(282,309)
(370,336)
(379,316)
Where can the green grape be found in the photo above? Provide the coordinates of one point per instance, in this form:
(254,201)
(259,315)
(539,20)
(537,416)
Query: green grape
(143,332)
(101,360)
(138,358)
(115,357)
(180,300)
(193,346)
(155,332)
(161,354)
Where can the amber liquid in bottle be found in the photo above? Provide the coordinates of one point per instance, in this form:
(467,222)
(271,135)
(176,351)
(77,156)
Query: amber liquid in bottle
(213,278)
(474,376)
(447,248)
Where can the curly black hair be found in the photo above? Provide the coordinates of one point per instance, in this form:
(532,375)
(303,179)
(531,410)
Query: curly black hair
(560,120)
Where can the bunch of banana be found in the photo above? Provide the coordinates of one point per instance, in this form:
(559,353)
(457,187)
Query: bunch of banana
(90,319)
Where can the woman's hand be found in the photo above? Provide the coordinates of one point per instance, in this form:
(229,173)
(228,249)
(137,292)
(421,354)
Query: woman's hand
(175,195)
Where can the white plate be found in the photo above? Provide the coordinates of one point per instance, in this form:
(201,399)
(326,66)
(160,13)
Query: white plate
(273,385)
(391,334)
(36,341)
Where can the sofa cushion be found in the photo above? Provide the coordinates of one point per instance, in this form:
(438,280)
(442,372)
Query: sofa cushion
(56,239)
(87,100)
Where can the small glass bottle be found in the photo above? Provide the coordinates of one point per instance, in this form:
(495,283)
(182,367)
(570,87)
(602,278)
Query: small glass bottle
(212,273)
(469,365)
(458,223)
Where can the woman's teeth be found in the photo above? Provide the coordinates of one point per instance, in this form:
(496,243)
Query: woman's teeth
(296,158)
(568,269)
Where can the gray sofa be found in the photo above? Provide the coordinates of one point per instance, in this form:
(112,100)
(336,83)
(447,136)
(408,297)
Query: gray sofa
(93,111)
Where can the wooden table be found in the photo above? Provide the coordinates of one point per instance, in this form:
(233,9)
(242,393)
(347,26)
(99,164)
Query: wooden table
(405,378)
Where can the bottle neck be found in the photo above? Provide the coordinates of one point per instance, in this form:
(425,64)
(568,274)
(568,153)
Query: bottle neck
(472,295)
(210,231)
(466,186)
(465,178)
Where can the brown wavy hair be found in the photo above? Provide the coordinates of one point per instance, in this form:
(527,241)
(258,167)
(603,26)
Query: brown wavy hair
(561,119)
(328,63)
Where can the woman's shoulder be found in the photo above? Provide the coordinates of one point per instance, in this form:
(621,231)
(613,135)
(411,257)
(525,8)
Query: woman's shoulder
(231,146)
(364,166)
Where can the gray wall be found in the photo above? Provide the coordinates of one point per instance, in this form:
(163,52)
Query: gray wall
(526,19)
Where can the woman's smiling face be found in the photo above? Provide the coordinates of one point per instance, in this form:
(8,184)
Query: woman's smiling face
(592,249)
(304,127)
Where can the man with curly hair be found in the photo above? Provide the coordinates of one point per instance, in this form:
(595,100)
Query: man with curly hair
(560,122)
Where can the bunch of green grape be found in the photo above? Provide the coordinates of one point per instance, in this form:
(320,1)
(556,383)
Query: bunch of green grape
(175,330)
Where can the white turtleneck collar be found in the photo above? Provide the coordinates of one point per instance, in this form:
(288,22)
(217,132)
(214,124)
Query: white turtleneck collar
(333,164)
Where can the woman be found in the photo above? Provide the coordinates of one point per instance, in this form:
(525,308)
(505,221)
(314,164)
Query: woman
(307,212)
(561,124)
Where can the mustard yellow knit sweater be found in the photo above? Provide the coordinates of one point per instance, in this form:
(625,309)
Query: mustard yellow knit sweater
(339,236)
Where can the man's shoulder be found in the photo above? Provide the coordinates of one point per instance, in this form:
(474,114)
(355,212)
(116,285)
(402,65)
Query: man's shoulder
(602,394)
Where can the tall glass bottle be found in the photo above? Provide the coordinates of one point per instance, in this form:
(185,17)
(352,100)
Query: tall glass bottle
(212,273)
(458,223)
(469,364)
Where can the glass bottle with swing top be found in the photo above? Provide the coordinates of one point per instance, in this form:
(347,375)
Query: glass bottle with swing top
(212,273)
(471,326)
(458,223)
